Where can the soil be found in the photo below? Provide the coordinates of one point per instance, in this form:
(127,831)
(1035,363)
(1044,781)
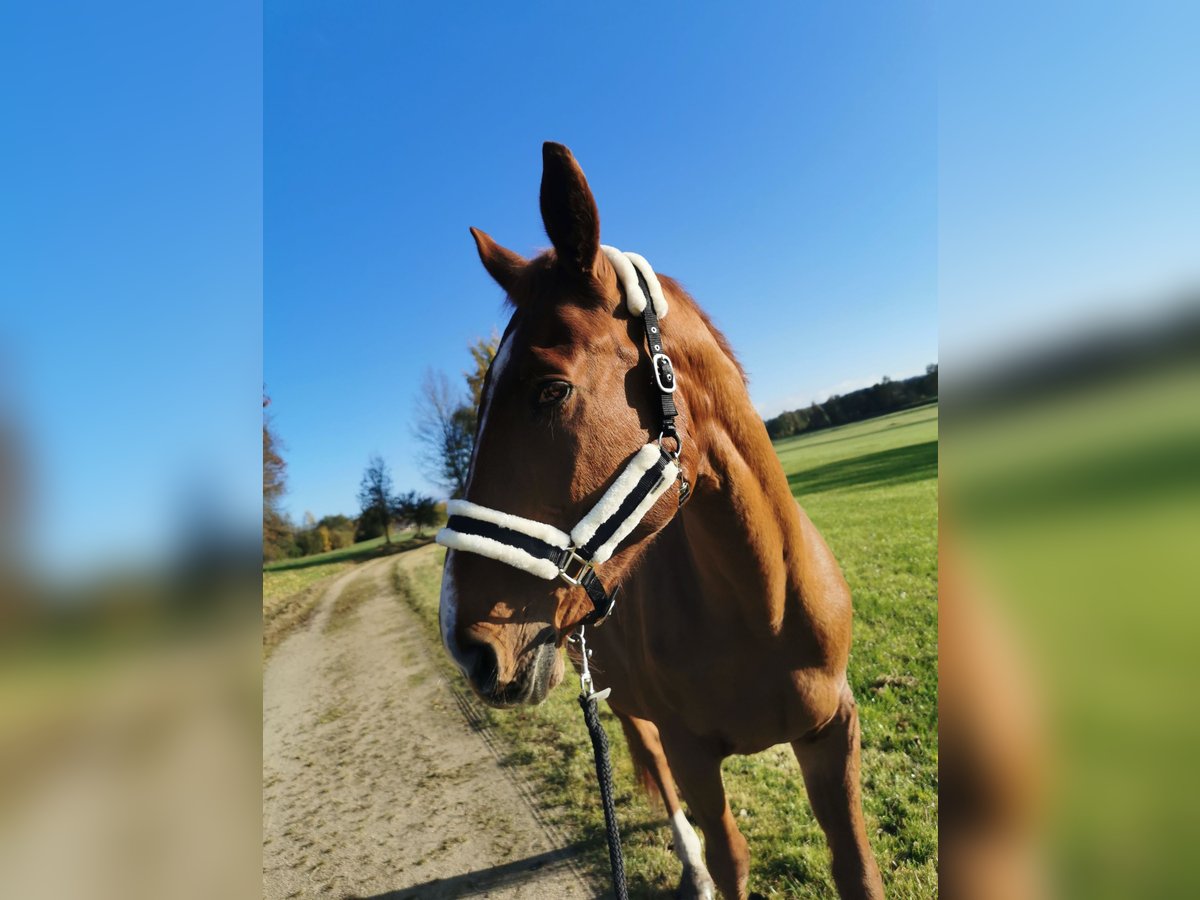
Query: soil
(376,781)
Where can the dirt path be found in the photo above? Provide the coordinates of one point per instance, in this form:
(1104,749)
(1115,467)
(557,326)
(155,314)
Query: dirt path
(374,783)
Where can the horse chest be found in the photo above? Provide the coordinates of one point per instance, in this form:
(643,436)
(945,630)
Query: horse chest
(706,683)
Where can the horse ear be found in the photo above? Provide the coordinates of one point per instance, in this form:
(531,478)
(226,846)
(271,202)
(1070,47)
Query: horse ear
(569,210)
(502,264)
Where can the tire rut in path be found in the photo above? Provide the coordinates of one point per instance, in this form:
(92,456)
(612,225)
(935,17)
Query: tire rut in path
(374,782)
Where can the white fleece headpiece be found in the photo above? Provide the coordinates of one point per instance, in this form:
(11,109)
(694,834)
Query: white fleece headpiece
(635,300)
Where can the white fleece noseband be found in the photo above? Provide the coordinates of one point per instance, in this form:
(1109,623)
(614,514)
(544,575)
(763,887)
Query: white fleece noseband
(493,549)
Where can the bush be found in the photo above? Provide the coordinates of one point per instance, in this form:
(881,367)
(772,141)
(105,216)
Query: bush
(368,527)
(309,542)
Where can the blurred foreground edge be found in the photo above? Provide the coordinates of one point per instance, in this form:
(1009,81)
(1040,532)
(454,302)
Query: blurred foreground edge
(1069,521)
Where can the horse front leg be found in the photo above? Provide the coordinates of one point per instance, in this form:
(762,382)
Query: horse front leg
(696,765)
(829,759)
(649,758)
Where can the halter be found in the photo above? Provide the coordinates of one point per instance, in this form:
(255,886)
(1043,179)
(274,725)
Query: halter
(545,551)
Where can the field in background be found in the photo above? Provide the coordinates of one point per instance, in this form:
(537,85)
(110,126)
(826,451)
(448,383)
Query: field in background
(871,488)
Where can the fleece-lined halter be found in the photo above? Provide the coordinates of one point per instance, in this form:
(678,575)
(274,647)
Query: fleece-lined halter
(545,551)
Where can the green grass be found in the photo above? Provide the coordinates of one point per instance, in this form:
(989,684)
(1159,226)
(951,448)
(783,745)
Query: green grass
(871,488)
(353,553)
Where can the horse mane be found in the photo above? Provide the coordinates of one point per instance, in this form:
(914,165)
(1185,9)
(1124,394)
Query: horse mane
(680,294)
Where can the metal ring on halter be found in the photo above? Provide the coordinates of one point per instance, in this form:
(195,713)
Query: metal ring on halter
(678,444)
(582,567)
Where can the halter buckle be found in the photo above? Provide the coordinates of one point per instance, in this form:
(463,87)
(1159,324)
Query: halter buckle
(664,372)
(582,567)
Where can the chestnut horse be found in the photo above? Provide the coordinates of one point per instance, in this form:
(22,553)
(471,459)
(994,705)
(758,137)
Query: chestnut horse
(733,627)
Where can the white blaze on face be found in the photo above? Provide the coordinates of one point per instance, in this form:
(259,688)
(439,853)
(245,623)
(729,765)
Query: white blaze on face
(687,842)
(448,611)
(448,605)
(503,353)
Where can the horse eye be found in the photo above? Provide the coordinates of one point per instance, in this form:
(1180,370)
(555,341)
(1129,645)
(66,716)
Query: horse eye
(553,392)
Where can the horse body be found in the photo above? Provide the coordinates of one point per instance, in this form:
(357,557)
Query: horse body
(732,630)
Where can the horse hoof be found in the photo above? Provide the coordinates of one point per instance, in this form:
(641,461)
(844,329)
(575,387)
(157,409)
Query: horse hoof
(696,885)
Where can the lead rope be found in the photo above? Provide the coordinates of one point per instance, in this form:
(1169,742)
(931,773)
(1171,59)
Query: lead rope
(591,716)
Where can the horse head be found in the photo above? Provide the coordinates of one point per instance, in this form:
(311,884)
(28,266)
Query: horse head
(565,406)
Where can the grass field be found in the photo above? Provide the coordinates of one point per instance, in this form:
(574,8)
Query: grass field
(871,488)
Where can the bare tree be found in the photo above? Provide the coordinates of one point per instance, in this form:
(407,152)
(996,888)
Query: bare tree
(447,419)
(445,430)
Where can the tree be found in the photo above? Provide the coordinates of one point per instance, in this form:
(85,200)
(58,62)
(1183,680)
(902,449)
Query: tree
(482,351)
(367,528)
(447,420)
(884,397)
(425,513)
(325,537)
(417,510)
(276,532)
(375,498)
(445,429)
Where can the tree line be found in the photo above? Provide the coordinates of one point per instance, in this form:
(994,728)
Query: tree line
(883,397)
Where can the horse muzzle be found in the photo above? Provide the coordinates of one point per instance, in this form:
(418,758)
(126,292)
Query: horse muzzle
(536,671)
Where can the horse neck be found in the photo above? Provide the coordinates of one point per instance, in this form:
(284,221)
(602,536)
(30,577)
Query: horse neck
(742,519)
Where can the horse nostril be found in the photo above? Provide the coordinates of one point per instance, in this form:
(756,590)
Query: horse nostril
(481,665)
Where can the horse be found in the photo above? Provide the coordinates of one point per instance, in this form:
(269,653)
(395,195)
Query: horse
(733,627)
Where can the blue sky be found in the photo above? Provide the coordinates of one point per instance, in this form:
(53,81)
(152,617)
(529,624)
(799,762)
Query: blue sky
(835,183)
(782,165)
(1068,169)
(131,222)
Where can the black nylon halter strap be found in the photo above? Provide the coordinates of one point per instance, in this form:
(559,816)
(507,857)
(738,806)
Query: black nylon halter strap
(660,363)
(603,600)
